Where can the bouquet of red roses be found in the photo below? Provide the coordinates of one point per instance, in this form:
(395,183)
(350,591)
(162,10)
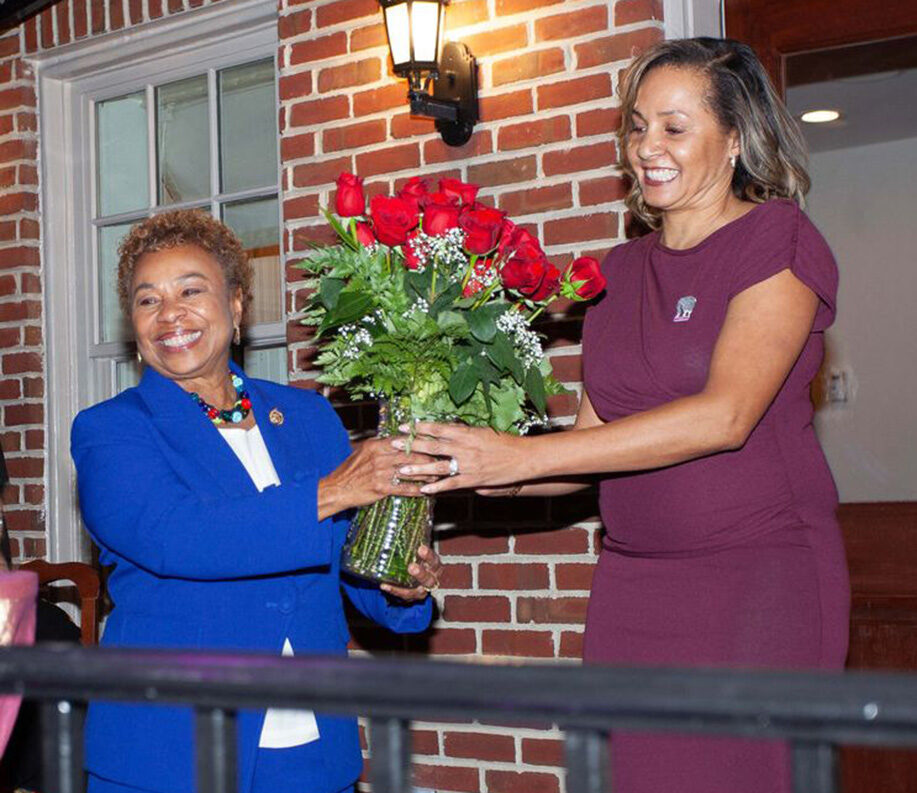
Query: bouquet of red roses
(427,301)
(430,296)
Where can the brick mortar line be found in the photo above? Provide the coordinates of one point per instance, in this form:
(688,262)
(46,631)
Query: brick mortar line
(476,726)
(450,761)
(514,627)
(567,349)
(22,297)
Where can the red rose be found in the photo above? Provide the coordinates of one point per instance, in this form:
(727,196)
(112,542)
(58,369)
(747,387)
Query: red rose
(393,218)
(440,213)
(482,229)
(583,279)
(550,284)
(411,260)
(506,236)
(461,190)
(524,273)
(414,192)
(364,234)
(350,200)
(520,242)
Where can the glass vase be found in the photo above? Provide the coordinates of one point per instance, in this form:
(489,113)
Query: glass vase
(384,537)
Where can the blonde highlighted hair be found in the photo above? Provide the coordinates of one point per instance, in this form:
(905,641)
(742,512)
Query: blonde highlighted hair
(772,162)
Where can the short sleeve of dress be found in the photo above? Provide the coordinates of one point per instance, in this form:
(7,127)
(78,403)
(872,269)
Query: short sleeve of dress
(784,238)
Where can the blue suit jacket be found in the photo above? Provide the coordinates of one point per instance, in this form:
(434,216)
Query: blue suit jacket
(202,560)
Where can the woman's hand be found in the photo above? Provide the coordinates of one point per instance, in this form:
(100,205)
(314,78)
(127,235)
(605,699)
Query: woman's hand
(371,472)
(425,570)
(467,457)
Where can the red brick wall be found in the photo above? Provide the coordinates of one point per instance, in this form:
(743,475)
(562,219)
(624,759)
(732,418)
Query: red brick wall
(21,348)
(518,571)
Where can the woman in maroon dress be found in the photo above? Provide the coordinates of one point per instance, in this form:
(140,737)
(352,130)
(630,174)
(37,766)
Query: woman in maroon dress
(722,547)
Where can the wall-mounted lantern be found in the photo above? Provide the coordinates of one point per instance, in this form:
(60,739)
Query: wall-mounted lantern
(415,34)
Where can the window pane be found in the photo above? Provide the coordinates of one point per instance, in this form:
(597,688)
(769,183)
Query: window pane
(182,116)
(127,374)
(248,127)
(269,363)
(113,326)
(258,226)
(121,150)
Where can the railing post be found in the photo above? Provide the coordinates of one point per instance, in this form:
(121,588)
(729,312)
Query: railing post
(390,746)
(62,745)
(814,767)
(215,747)
(586,754)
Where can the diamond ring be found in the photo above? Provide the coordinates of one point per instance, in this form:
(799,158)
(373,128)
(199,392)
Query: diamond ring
(453,466)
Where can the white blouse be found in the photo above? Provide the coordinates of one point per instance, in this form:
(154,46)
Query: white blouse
(282,729)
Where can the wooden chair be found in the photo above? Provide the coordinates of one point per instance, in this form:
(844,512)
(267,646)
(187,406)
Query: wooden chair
(88,586)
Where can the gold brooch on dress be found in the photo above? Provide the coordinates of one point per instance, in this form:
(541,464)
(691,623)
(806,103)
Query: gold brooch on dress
(275,416)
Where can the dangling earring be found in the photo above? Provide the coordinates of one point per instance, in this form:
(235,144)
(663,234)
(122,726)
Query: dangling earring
(139,358)
(236,336)
(732,161)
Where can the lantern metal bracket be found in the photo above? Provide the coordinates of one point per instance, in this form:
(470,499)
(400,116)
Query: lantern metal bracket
(454,101)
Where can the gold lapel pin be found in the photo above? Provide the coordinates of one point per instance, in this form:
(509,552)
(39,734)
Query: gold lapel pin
(275,416)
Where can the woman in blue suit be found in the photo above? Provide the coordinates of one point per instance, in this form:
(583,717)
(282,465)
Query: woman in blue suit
(220,501)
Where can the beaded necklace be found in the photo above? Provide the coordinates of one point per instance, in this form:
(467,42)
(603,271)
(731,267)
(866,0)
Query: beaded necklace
(236,413)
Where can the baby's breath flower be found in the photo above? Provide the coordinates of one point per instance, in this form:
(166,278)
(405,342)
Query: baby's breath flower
(356,340)
(525,340)
(447,249)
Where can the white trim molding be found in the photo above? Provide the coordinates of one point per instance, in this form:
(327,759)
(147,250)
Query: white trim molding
(688,18)
(69,79)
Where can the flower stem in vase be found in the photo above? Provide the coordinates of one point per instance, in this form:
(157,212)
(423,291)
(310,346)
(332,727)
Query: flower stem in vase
(384,537)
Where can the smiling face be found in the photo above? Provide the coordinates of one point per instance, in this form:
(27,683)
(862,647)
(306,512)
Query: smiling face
(677,148)
(183,316)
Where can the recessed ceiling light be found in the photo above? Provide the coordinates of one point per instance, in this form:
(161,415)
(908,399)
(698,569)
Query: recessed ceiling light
(820,116)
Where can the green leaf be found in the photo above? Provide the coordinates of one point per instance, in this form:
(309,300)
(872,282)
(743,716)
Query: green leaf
(445,299)
(488,402)
(329,290)
(350,307)
(486,372)
(452,323)
(419,282)
(462,383)
(534,387)
(503,354)
(342,232)
(506,410)
(482,324)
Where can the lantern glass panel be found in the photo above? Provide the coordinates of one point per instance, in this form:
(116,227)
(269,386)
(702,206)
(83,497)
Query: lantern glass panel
(398,28)
(424,24)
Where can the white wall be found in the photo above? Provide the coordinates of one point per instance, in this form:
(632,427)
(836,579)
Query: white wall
(864,200)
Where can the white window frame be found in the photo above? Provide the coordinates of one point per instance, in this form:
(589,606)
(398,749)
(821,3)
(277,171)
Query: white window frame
(687,18)
(70,78)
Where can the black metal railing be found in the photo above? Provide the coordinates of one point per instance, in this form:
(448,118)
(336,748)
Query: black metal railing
(814,711)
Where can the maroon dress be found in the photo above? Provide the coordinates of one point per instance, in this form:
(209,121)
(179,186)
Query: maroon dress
(730,560)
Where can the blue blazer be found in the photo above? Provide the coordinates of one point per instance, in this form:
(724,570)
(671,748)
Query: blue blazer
(202,560)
